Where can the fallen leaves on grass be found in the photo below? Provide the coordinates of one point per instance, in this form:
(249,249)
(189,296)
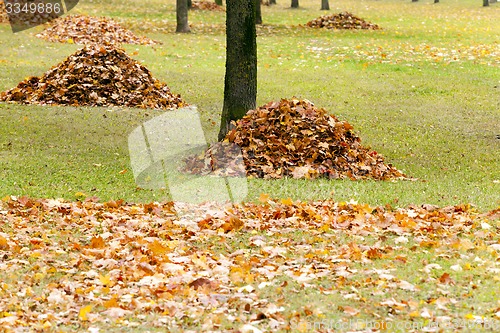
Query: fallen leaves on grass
(401,52)
(293,138)
(345,21)
(82,29)
(96,75)
(158,265)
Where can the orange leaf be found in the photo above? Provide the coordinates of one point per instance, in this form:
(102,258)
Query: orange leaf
(4,245)
(112,303)
(97,242)
(233,223)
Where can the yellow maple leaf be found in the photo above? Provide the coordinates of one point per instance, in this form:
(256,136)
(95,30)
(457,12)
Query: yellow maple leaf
(287,201)
(105,279)
(84,311)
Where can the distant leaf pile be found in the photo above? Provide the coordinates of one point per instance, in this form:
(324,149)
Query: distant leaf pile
(26,18)
(339,21)
(3,14)
(100,266)
(293,138)
(82,29)
(96,76)
(206,5)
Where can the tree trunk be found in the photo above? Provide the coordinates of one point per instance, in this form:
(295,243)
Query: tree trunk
(218,2)
(190,4)
(436,1)
(272,2)
(258,12)
(182,16)
(486,3)
(240,83)
(295,3)
(325,5)
(414,0)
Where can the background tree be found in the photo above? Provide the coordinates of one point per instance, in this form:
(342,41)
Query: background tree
(486,3)
(272,2)
(258,12)
(295,3)
(325,5)
(182,16)
(240,83)
(218,2)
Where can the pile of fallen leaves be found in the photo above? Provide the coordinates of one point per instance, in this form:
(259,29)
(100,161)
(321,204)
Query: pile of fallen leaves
(113,266)
(82,29)
(3,13)
(339,21)
(207,5)
(293,138)
(26,18)
(96,75)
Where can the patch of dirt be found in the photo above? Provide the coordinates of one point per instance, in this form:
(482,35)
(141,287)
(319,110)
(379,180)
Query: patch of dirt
(82,29)
(96,75)
(293,138)
(343,20)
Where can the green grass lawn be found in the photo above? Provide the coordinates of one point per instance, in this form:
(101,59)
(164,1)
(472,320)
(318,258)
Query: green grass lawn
(423,91)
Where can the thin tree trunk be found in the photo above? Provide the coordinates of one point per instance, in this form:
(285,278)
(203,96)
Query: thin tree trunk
(218,2)
(182,16)
(240,83)
(325,5)
(436,1)
(486,3)
(295,4)
(258,12)
(190,4)
(272,2)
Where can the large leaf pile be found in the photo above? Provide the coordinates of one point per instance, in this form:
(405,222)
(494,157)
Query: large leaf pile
(96,76)
(82,29)
(206,5)
(293,138)
(343,20)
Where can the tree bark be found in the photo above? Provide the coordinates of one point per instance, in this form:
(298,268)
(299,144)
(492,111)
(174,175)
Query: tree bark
(258,12)
(190,4)
(182,16)
(325,5)
(240,83)
(295,4)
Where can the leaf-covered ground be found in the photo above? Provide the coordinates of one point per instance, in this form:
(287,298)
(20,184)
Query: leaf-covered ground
(274,266)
